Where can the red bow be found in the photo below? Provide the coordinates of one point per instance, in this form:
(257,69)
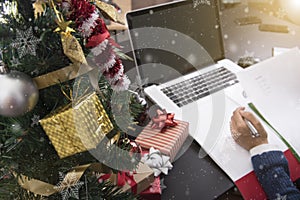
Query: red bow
(95,40)
(163,120)
(122,179)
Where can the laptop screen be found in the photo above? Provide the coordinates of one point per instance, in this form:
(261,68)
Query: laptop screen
(180,36)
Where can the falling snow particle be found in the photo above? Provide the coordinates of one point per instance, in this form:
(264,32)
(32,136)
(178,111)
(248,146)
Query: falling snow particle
(248,54)
(281,13)
(187,191)
(279,197)
(162,184)
(225,36)
(16,127)
(139,83)
(293,32)
(148,58)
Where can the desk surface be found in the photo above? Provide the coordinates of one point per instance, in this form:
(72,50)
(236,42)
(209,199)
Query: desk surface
(194,177)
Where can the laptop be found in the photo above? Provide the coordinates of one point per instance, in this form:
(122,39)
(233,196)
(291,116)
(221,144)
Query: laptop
(180,58)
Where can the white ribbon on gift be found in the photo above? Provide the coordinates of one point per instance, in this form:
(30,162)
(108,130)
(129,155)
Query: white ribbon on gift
(158,162)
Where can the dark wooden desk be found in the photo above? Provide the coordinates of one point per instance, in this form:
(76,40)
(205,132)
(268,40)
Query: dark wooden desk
(194,177)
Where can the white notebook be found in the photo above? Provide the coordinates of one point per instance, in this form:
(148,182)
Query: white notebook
(273,86)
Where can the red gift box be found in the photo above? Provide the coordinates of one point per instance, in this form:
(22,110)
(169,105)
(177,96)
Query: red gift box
(153,192)
(168,142)
(135,182)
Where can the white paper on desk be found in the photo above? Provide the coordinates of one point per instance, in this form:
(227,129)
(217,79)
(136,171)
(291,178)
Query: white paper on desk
(274,88)
(232,158)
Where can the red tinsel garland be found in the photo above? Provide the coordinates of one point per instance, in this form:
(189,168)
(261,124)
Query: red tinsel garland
(93,28)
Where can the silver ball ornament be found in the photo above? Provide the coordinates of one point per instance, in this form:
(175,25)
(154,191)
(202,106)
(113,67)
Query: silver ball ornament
(18,93)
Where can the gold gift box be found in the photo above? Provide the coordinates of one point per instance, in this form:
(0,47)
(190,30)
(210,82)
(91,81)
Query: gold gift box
(76,128)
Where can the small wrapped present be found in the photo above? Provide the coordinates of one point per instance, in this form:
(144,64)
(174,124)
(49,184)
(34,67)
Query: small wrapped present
(153,192)
(165,134)
(136,181)
(77,128)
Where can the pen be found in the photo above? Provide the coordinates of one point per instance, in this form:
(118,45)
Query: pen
(253,130)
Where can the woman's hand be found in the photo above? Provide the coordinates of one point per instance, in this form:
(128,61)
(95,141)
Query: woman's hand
(241,132)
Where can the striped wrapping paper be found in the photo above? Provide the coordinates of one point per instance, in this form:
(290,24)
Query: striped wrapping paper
(169,142)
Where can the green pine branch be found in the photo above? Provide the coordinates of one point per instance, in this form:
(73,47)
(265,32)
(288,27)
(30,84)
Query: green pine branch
(24,146)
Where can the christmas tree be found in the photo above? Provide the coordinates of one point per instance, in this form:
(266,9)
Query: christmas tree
(64,101)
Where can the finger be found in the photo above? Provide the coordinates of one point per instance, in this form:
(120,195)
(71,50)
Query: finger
(237,117)
(238,109)
(250,117)
(256,123)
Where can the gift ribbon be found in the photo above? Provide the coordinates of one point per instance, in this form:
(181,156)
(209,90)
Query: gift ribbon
(73,50)
(157,161)
(45,189)
(163,120)
(73,96)
(122,179)
(125,177)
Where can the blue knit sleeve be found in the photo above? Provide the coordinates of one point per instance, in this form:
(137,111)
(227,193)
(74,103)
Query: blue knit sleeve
(271,169)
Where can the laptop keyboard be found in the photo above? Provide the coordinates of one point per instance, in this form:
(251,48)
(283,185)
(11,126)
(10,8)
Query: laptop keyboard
(192,89)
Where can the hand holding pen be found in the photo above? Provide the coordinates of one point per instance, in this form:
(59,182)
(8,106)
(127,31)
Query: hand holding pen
(247,130)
